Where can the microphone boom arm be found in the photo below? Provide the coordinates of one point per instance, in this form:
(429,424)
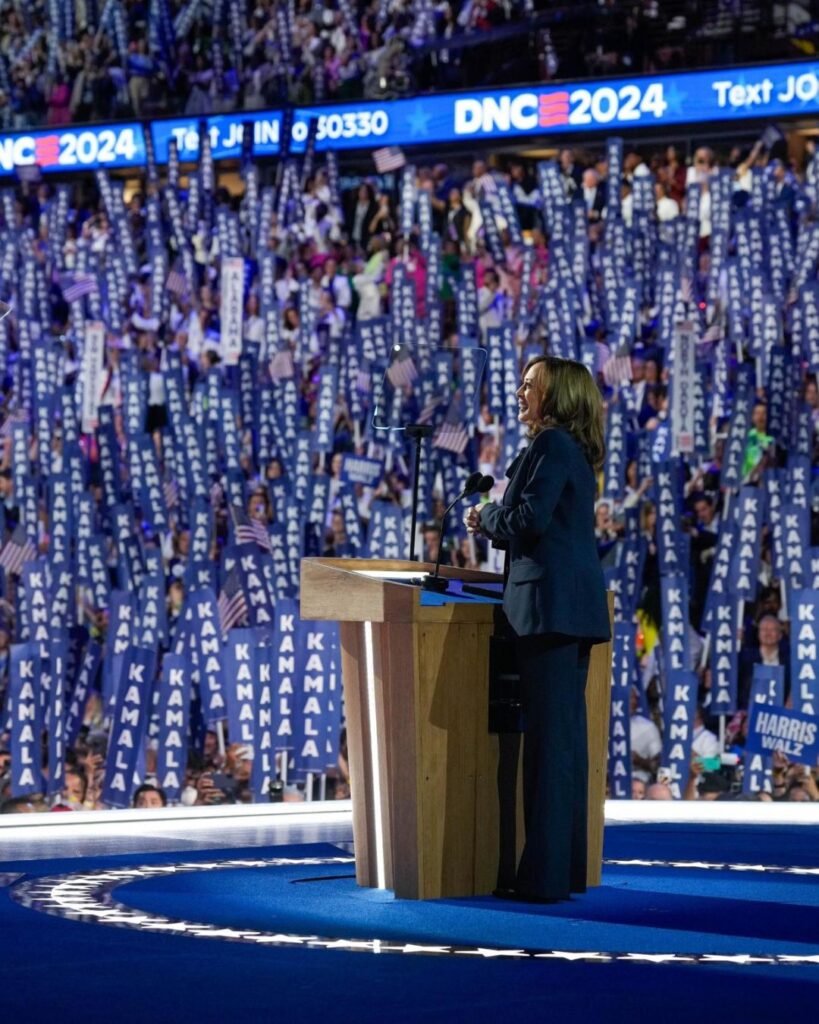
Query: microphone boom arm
(435,582)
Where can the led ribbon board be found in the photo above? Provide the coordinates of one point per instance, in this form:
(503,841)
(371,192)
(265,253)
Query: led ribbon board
(734,94)
(762,92)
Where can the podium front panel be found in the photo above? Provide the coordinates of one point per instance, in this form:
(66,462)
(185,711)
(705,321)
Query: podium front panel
(423,764)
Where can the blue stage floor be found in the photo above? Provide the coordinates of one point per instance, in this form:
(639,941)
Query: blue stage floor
(713,921)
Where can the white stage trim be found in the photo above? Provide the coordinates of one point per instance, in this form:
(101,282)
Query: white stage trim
(710,812)
(339,813)
(178,819)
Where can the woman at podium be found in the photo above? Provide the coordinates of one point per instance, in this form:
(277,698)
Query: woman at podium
(555,601)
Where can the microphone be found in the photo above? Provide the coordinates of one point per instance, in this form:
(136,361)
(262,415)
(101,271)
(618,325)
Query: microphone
(486,484)
(472,486)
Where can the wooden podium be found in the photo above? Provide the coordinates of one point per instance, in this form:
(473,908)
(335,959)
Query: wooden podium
(423,765)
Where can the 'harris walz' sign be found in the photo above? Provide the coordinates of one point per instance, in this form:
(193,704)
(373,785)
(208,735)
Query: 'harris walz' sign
(775,728)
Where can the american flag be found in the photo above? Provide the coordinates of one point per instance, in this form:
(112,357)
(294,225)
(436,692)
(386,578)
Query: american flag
(16,416)
(427,414)
(713,333)
(617,370)
(401,372)
(30,172)
(217,492)
(75,286)
(249,531)
(176,283)
(486,185)
(363,380)
(231,605)
(389,158)
(452,434)
(171,490)
(17,550)
(281,365)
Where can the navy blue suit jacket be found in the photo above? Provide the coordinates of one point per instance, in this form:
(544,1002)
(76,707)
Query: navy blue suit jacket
(546,522)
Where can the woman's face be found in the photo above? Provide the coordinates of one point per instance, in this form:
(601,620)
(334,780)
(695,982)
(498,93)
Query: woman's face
(258,511)
(530,395)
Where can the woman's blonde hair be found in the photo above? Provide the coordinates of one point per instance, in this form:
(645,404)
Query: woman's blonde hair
(569,398)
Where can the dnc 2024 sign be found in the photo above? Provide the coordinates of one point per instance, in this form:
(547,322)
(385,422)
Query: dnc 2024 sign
(762,92)
(772,91)
(74,149)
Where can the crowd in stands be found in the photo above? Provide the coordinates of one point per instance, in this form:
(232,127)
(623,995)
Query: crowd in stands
(107,59)
(334,269)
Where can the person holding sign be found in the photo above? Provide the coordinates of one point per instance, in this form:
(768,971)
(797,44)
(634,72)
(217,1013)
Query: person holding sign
(555,601)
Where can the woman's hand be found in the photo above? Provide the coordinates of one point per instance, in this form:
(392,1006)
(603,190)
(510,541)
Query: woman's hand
(207,793)
(472,519)
(93,775)
(93,764)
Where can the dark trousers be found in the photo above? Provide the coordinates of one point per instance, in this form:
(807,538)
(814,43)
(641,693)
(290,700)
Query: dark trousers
(553,671)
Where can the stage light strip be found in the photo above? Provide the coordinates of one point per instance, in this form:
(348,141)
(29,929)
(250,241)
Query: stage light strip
(378,823)
(87,897)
